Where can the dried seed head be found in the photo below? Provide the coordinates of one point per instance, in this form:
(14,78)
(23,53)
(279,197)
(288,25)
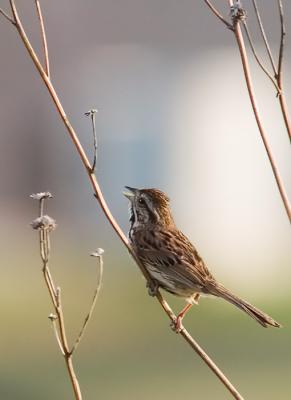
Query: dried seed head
(44,222)
(41,196)
(52,317)
(91,112)
(97,253)
(237,12)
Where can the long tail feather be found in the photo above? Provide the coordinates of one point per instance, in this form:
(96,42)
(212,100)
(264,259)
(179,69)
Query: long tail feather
(262,318)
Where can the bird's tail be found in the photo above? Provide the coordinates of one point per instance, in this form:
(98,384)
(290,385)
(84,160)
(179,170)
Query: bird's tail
(262,318)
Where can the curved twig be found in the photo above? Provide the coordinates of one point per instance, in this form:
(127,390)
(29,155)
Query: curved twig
(5,15)
(94,300)
(218,15)
(265,70)
(264,36)
(92,114)
(109,216)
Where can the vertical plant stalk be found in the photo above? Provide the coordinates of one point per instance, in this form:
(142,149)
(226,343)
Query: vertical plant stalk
(98,194)
(251,91)
(264,36)
(45,225)
(277,70)
(43,36)
(247,73)
(279,75)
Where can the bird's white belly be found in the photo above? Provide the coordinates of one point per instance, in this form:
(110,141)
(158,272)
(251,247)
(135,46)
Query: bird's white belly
(167,282)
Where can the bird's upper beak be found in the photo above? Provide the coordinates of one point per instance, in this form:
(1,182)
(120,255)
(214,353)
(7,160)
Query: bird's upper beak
(129,193)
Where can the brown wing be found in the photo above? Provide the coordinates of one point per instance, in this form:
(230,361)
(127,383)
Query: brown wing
(174,255)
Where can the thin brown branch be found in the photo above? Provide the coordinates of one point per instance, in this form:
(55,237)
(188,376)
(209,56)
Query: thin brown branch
(265,70)
(278,70)
(282,39)
(250,87)
(94,300)
(218,15)
(43,37)
(109,216)
(282,99)
(5,15)
(53,319)
(264,36)
(92,114)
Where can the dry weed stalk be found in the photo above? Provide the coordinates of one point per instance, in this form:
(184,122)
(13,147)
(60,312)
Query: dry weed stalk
(238,17)
(45,225)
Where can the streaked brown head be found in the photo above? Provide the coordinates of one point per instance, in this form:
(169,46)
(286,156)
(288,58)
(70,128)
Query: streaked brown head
(148,207)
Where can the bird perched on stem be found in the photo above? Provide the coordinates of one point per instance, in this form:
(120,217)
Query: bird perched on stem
(171,260)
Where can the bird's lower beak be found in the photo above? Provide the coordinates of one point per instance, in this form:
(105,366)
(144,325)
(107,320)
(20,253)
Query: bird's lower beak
(129,193)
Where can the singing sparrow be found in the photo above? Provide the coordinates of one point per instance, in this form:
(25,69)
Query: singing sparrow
(171,260)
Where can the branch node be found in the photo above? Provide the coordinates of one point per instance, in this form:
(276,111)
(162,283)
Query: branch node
(5,15)
(237,12)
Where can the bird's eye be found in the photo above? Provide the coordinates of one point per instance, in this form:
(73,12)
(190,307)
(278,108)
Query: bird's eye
(141,201)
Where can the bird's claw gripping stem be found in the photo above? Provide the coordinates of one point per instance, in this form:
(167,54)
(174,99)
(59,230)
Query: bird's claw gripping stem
(153,288)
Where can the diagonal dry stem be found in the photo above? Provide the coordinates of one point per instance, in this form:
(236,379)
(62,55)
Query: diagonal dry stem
(109,216)
(218,14)
(5,15)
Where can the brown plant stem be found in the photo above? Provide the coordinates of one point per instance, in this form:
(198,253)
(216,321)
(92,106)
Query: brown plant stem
(94,300)
(264,36)
(250,87)
(43,36)
(112,221)
(55,295)
(261,65)
(278,70)
(240,41)
(218,15)
(5,15)
(279,76)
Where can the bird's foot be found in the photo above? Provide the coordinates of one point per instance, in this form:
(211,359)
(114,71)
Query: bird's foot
(195,298)
(153,288)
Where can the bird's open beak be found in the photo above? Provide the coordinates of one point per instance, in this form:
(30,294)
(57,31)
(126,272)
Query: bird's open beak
(129,193)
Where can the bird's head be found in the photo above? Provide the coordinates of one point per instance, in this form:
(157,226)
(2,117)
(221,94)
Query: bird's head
(148,207)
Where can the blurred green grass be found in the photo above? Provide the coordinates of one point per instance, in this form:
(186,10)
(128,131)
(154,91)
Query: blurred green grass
(129,351)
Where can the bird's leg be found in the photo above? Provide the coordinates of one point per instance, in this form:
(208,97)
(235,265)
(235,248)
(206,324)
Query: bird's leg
(196,298)
(153,287)
(177,325)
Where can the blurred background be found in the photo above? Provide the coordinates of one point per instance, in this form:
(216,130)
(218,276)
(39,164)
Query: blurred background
(173,114)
